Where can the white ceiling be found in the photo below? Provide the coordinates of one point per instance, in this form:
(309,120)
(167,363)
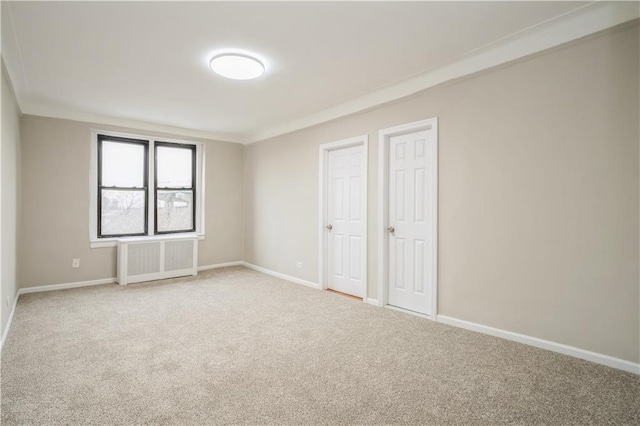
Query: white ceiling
(148,61)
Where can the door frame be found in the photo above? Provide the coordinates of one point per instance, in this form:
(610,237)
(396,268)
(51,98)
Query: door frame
(384,136)
(362,140)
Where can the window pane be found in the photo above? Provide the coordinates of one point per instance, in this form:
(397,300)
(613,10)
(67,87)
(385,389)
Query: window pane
(122,164)
(174,167)
(175,211)
(122,212)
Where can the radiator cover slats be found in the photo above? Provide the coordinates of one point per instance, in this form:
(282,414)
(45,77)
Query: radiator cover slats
(166,257)
(143,259)
(178,255)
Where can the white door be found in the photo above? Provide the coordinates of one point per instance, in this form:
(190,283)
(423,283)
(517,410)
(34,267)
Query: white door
(412,164)
(345,220)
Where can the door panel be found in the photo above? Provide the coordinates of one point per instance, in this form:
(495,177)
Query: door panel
(411,162)
(337,245)
(355,257)
(418,276)
(345,213)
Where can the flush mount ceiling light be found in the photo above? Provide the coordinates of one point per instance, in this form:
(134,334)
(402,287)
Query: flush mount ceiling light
(237,66)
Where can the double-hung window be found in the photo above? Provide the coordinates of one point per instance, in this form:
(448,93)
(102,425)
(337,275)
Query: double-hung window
(175,191)
(144,187)
(123,186)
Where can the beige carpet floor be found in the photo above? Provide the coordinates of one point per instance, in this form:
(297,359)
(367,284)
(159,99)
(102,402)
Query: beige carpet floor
(235,346)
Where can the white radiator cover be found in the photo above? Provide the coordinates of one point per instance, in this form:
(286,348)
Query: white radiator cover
(145,259)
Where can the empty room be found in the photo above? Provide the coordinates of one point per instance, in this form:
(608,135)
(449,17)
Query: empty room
(307,213)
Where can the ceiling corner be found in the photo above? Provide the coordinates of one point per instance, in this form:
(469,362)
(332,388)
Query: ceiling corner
(581,22)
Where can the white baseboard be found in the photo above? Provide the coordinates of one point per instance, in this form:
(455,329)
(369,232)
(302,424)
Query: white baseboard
(598,358)
(408,312)
(76,284)
(9,321)
(220,265)
(283,276)
(509,335)
(64,286)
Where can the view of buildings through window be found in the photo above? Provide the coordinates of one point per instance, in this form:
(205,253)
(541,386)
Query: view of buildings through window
(129,187)
(175,187)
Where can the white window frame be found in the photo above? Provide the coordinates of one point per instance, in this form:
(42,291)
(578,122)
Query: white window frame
(93,183)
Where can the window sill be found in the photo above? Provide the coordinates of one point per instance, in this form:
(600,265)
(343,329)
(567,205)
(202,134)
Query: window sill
(113,242)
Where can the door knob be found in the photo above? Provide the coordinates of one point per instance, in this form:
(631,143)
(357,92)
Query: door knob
(329,227)
(391,229)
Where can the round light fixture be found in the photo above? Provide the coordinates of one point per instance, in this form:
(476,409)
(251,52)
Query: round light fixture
(237,66)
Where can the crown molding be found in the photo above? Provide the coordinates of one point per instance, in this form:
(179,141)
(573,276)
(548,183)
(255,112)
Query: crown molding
(7,78)
(14,69)
(590,19)
(579,23)
(68,114)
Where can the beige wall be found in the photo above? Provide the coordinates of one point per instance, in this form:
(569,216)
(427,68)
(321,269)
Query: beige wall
(55,227)
(10,198)
(539,188)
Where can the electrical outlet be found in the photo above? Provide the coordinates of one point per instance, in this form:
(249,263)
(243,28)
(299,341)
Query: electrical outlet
(299,264)
(75,263)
